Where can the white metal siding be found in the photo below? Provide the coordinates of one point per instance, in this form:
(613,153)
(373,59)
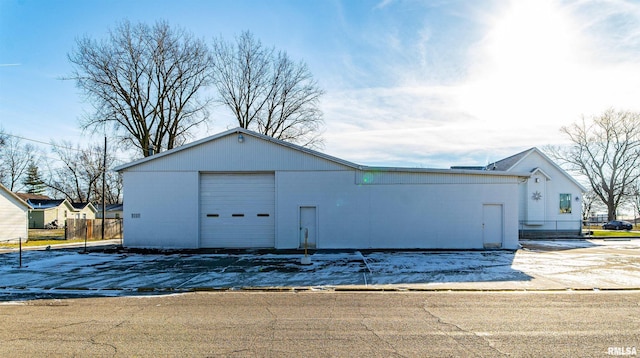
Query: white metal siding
(13,222)
(536,197)
(400,177)
(161,209)
(226,154)
(237,210)
(186,199)
(391,216)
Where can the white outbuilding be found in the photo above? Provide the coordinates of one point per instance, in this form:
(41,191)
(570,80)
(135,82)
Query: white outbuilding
(241,189)
(13,217)
(550,199)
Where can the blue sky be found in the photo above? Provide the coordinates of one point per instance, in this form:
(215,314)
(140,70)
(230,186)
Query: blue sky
(408,83)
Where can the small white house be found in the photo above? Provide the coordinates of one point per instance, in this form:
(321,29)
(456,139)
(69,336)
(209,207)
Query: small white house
(48,211)
(85,211)
(241,189)
(112,211)
(13,217)
(550,199)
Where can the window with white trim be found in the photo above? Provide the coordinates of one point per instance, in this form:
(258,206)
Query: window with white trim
(565,203)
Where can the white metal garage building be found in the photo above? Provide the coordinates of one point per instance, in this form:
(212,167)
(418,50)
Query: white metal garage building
(240,189)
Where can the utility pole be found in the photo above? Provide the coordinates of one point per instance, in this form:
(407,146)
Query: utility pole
(104,184)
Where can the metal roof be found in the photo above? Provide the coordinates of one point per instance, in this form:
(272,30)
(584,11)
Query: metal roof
(236,131)
(81,206)
(508,163)
(27,196)
(313,153)
(109,207)
(45,203)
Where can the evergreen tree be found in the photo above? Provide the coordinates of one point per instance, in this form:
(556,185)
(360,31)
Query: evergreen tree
(34,184)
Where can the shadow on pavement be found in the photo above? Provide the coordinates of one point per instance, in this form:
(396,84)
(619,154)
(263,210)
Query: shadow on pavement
(67,273)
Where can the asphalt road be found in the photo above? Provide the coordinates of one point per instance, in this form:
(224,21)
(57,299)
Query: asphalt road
(322,324)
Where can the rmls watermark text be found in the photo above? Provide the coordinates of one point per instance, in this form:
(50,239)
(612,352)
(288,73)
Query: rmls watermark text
(622,351)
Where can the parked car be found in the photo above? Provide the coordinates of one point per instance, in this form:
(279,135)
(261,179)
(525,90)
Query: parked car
(617,225)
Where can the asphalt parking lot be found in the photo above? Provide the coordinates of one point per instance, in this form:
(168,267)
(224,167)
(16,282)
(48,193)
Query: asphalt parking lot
(106,271)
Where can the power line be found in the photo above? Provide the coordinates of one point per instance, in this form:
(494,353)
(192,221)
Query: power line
(41,142)
(116,159)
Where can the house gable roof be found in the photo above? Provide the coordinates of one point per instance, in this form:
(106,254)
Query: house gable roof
(27,196)
(13,197)
(109,207)
(45,204)
(82,206)
(511,162)
(239,131)
(538,170)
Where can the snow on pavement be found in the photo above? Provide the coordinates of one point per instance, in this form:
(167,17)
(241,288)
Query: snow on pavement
(570,264)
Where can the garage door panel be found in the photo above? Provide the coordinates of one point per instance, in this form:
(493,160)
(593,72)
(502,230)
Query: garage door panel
(237,210)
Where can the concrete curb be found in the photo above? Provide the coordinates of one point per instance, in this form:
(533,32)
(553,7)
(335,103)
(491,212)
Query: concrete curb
(142,291)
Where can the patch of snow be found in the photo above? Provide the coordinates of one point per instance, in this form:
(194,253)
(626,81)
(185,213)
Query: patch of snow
(570,263)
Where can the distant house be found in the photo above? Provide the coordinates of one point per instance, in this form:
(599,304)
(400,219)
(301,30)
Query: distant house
(28,196)
(13,216)
(550,199)
(45,211)
(84,211)
(112,211)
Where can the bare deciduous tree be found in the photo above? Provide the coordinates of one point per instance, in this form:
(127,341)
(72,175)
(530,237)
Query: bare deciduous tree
(78,174)
(267,91)
(635,200)
(589,203)
(144,81)
(15,158)
(112,191)
(606,151)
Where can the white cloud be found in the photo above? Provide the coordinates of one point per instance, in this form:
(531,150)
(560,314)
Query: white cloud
(539,66)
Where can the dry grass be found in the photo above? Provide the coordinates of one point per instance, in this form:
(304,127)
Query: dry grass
(43,234)
(614,233)
(599,232)
(43,237)
(46,242)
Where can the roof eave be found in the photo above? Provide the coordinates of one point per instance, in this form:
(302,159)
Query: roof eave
(17,198)
(446,171)
(535,149)
(232,131)
(580,186)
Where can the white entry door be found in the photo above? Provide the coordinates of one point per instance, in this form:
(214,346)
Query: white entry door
(308,226)
(492,231)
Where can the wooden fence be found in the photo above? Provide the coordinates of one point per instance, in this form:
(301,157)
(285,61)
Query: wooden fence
(91,229)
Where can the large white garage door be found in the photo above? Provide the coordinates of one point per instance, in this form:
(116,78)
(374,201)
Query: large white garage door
(237,210)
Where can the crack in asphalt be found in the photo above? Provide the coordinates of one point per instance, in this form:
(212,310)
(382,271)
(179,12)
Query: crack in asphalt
(364,324)
(66,325)
(115,349)
(471,351)
(94,338)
